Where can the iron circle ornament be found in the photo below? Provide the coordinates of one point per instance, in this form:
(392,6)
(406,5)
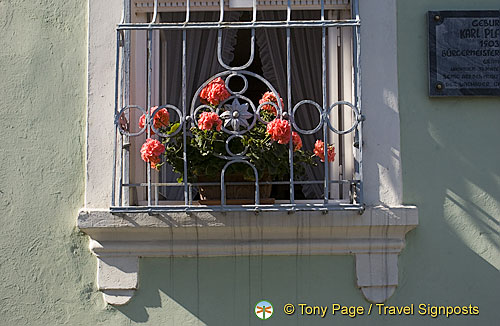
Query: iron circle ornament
(168,106)
(356,117)
(245,81)
(119,124)
(320,111)
(194,120)
(259,108)
(235,155)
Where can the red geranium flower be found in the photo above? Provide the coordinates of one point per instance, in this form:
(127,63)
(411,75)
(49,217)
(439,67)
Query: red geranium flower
(319,151)
(208,120)
(151,151)
(160,120)
(279,131)
(270,97)
(297,141)
(215,92)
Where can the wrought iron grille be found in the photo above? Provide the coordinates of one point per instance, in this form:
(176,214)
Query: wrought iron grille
(237,118)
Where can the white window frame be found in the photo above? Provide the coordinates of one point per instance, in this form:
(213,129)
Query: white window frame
(375,238)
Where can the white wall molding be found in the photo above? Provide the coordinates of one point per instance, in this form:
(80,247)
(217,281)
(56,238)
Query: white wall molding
(375,238)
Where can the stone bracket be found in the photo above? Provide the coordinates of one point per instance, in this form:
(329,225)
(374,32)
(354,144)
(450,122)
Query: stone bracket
(377,275)
(375,238)
(117,277)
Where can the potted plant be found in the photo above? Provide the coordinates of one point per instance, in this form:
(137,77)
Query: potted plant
(264,144)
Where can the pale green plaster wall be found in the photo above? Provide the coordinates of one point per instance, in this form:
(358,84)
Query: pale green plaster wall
(46,272)
(451,171)
(47,275)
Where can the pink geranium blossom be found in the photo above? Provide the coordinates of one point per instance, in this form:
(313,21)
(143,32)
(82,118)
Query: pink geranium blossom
(215,92)
(297,141)
(151,151)
(160,120)
(279,131)
(319,151)
(208,120)
(270,97)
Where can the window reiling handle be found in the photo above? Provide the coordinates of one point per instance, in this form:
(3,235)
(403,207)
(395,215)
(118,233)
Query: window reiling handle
(155,13)
(252,39)
(219,52)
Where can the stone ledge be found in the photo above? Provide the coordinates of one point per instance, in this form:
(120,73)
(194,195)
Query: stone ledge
(375,238)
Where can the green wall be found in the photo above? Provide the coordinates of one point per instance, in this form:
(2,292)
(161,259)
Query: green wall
(47,275)
(46,272)
(450,156)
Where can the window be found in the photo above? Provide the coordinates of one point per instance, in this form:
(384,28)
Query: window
(118,239)
(303,56)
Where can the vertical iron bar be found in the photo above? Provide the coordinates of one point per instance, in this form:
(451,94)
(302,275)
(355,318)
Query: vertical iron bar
(223,186)
(326,184)
(221,18)
(288,11)
(257,192)
(289,98)
(219,57)
(126,97)
(150,85)
(357,97)
(124,173)
(322,10)
(254,19)
(148,104)
(122,19)
(188,10)
(117,73)
(184,117)
(122,89)
(254,11)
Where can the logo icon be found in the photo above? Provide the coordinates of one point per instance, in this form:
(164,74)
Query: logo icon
(264,310)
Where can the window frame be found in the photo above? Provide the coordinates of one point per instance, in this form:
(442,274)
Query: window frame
(375,237)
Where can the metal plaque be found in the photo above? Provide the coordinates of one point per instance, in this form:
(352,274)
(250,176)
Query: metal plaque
(464,53)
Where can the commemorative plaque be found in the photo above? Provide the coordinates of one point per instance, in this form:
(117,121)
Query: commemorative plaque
(464,53)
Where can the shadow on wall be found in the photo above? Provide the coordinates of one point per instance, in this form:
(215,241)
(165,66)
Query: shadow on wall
(471,202)
(451,172)
(450,149)
(224,290)
(458,175)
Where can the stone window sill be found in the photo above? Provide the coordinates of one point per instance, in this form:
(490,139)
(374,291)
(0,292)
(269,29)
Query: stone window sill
(375,238)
